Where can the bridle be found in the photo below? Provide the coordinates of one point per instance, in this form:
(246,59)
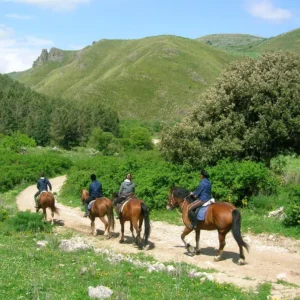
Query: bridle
(173,203)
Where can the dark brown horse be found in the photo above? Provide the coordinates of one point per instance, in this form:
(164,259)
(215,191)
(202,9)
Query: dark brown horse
(221,216)
(46,200)
(101,207)
(135,211)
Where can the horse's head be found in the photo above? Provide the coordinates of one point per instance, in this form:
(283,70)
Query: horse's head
(115,195)
(177,196)
(172,202)
(84,195)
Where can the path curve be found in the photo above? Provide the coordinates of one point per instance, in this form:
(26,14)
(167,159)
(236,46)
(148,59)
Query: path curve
(270,258)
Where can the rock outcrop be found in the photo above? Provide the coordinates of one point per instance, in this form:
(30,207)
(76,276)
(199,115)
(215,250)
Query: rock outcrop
(54,54)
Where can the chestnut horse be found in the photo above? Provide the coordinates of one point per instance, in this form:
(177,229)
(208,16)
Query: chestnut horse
(101,207)
(221,216)
(46,200)
(135,211)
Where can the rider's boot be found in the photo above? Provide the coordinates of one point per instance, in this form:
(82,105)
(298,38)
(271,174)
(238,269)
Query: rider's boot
(193,219)
(87,212)
(36,202)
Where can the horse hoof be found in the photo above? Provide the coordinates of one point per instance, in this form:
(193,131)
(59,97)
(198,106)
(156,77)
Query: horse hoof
(121,241)
(190,248)
(241,262)
(217,258)
(146,247)
(198,252)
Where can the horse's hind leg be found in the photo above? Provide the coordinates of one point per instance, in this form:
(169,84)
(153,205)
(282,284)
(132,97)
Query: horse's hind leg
(52,216)
(131,229)
(122,231)
(45,214)
(242,256)
(106,230)
(138,232)
(222,243)
(94,231)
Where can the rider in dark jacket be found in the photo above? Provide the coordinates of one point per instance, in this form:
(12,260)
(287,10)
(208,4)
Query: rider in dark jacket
(42,185)
(95,191)
(202,194)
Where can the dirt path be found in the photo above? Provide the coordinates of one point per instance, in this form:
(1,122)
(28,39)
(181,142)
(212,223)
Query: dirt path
(270,258)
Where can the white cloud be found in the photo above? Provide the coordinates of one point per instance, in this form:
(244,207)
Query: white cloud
(19,17)
(18,53)
(266,10)
(57,5)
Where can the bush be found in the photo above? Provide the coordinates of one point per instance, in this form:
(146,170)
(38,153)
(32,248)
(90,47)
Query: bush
(27,221)
(16,168)
(233,181)
(16,142)
(252,112)
(292,207)
(3,214)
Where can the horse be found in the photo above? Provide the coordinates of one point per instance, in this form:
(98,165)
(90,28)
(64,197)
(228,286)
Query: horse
(135,211)
(220,216)
(46,200)
(101,207)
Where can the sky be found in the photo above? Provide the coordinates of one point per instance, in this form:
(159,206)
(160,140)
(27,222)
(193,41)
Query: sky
(28,26)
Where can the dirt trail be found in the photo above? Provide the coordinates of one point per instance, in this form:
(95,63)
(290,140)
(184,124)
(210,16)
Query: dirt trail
(270,258)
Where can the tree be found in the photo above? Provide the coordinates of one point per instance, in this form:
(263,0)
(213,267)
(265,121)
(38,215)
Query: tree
(252,112)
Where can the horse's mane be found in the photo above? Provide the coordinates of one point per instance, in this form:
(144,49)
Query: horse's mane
(181,193)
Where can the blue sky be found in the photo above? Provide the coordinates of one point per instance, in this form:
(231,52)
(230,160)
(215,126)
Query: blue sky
(28,26)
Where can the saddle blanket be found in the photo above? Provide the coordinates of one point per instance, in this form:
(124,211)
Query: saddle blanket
(201,211)
(91,204)
(124,204)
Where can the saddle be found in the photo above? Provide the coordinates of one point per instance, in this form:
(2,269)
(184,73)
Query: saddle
(120,206)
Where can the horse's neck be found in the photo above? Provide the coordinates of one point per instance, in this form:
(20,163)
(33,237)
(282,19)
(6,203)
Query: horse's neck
(184,209)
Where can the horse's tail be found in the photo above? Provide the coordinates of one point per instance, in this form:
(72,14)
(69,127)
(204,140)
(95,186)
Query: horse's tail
(55,209)
(110,216)
(145,211)
(236,229)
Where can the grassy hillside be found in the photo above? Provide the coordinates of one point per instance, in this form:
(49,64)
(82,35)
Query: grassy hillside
(289,41)
(150,78)
(232,42)
(253,45)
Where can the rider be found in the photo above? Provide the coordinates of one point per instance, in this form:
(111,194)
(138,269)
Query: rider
(95,191)
(42,185)
(202,194)
(126,189)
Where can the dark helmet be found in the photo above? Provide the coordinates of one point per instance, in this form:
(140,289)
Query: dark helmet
(93,177)
(204,174)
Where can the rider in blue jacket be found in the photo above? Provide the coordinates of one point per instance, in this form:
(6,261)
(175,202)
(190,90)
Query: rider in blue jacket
(42,185)
(95,191)
(202,194)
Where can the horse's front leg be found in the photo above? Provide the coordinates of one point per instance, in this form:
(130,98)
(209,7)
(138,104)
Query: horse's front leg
(197,250)
(186,231)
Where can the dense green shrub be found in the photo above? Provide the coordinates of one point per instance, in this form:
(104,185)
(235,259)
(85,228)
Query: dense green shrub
(153,177)
(17,168)
(292,207)
(235,181)
(16,141)
(27,221)
(3,214)
(252,112)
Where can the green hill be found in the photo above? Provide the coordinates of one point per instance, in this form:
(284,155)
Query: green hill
(289,41)
(231,42)
(151,78)
(253,45)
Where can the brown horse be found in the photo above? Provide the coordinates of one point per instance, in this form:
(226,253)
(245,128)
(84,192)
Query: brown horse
(135,211)
(101,207)
(221,216)
(46,200)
